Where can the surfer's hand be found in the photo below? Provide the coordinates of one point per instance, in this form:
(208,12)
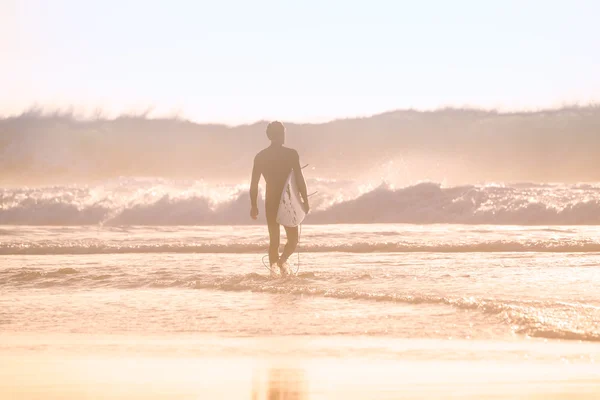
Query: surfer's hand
(254,212)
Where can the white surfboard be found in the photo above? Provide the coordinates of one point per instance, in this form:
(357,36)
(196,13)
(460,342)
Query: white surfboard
(291,212)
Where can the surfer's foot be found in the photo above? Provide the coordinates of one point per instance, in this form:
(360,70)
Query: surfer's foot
(284,268)
(274,268)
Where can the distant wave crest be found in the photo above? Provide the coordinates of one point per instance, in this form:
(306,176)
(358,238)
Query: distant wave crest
(458,145)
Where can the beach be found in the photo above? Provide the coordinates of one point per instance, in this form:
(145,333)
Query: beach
(88,312)
(191,367)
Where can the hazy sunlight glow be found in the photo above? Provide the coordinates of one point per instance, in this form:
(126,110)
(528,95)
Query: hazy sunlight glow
(234,61)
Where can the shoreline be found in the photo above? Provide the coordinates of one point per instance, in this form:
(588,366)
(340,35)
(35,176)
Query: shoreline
(186,366)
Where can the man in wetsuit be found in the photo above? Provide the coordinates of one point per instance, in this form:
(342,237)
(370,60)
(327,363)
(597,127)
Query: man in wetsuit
(275,163)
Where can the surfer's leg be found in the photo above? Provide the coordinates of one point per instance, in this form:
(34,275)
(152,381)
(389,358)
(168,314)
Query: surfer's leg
(290,246)
(274,233)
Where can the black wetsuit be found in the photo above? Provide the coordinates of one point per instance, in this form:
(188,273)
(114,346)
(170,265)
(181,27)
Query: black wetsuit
(275,163)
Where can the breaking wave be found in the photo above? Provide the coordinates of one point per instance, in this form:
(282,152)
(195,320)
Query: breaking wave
(159,202)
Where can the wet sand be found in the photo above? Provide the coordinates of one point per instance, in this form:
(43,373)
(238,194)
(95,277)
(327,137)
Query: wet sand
(134,367)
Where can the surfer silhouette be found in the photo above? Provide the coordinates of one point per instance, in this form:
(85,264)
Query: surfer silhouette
(275,163)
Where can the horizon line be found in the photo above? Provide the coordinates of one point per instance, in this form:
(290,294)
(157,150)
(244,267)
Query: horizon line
(100,115)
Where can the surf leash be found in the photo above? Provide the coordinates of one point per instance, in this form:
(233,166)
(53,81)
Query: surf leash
(299,236)
(298,252)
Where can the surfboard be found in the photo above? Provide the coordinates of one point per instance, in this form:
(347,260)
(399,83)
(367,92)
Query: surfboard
(291,212)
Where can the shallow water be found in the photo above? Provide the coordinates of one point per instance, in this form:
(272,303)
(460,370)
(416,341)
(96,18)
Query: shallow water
(471,283)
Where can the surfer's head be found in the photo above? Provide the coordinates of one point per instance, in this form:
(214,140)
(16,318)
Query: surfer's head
(276,132)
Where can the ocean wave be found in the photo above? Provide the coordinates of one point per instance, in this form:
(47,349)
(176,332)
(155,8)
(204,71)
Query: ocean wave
(562,334)
(31,275)
(523,318)
(42,248)
(542,319)
(458,145)
(501,205)
(152,203)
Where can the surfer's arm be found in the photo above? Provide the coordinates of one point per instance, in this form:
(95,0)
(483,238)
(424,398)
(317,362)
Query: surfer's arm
(300,179)
(256,172)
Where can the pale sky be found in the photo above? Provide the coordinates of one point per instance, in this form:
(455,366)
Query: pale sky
(238,61)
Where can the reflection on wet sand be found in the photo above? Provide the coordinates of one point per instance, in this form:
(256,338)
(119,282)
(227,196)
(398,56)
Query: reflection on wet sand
(280,384)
